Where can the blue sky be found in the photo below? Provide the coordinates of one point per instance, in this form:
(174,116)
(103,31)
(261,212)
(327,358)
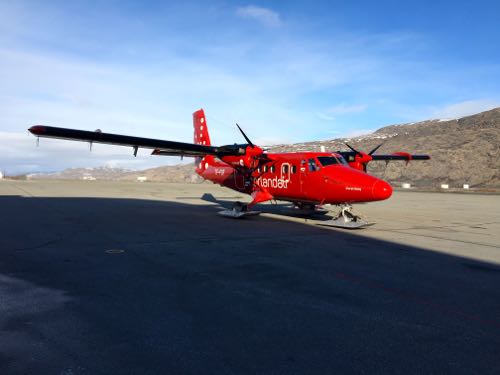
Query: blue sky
(286,71)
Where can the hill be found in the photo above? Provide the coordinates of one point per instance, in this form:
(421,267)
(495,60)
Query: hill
(463,151)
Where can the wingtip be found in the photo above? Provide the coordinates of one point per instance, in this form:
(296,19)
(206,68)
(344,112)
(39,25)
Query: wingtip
(37,129)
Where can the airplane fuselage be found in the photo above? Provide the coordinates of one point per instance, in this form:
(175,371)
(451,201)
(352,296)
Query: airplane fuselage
(299,177)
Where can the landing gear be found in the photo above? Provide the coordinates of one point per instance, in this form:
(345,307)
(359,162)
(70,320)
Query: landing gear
(239,210)
(346,219)
(307,210)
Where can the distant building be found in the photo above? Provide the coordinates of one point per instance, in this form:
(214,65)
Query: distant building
(405,185)
(445,186)
(89,178)
(1,175)
(142,178)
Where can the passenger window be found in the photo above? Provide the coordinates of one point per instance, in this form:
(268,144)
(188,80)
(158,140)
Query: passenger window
(273,168)
(284,168)
(294,169)
(258,170)
(312,165)
(265,168)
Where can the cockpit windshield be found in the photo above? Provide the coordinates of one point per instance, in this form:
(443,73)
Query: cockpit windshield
(330,160)
(342,160)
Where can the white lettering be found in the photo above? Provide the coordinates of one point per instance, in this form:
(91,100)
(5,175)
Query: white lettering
(276,183)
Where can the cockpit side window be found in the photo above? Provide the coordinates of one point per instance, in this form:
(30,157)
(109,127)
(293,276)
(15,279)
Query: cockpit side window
(328,160)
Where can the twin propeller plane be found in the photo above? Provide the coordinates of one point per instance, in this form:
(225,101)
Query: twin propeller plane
(309,180)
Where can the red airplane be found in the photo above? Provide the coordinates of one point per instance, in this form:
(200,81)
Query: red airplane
(307,179)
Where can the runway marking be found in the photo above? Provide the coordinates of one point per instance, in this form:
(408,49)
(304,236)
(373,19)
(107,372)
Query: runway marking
(457,225)
(23,190)
(418,300)
(439,237)
(406,231)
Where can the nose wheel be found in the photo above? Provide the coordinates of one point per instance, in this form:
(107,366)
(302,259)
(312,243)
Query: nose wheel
(346,219)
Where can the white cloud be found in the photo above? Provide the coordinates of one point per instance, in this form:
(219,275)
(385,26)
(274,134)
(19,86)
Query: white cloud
(265,16)
(344,108)
(330,113)
(326,117)
(149,84)
(465,108)
(270,141)
(53,89)
(20,154)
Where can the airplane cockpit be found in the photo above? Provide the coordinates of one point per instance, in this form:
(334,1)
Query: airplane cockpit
(331,160)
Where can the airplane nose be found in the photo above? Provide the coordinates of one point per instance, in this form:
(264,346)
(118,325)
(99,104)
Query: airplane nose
(381,190)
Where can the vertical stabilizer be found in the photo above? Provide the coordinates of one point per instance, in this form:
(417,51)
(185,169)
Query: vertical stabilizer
(201,136)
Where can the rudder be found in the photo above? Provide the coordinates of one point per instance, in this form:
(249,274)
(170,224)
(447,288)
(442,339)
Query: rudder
(201,136)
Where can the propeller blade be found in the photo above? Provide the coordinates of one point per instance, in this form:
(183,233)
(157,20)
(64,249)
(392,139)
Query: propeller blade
(375,149)
(245,136)
(353,149)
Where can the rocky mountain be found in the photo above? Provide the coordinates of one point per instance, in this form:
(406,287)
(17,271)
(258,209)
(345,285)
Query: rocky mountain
(463,151)
(175,173)
(100,173)
(169,173)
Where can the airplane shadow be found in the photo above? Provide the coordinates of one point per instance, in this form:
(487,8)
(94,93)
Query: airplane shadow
(281,208)
(99,285)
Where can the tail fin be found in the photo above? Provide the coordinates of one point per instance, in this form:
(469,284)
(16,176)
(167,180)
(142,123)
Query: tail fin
(201,136)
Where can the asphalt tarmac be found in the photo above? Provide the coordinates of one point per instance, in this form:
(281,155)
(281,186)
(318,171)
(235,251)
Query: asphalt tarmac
(131,278)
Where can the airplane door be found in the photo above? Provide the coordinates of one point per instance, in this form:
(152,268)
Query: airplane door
(303,175)
(285,171)
(307,168)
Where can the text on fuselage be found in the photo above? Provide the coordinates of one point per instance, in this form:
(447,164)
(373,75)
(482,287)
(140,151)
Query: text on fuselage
(276,183)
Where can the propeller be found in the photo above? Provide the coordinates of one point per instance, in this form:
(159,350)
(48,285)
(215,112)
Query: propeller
(245,136)
(364,158)
(360,153)
(375,149)
(353,149)
(258,157)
